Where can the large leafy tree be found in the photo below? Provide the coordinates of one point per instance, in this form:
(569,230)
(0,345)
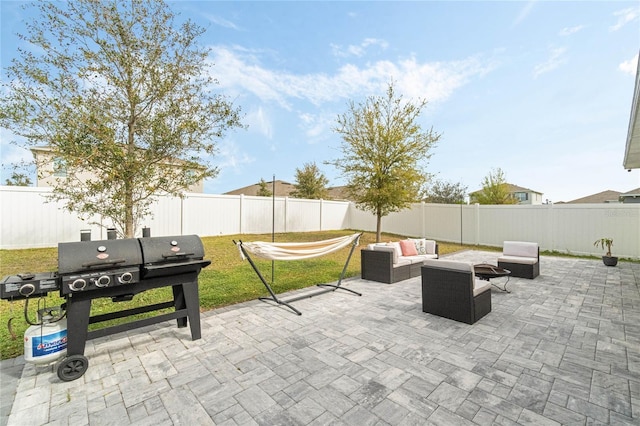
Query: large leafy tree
(384,153)
(122,96)
(311,183)
(445,192)
(495,190)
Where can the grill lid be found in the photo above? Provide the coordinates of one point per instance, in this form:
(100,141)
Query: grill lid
(173,249)
(102,254)
(172,255)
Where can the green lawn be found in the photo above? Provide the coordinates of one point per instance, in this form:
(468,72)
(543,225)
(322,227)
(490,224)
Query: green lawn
(226,281)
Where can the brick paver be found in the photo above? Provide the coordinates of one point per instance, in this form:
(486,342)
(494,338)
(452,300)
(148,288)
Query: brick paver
(561,349)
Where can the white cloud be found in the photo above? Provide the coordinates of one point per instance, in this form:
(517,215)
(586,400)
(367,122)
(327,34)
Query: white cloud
(524,12)
(259,122)
(630,66)
(625,16)
(555,60)
(317,127)
(567,31)
(359,49)
(220,21)
(231,156)
(240,72)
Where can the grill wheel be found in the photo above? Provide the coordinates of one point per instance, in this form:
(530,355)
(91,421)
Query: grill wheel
(72,367)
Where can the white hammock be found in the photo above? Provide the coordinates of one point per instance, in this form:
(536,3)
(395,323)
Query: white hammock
(295,251)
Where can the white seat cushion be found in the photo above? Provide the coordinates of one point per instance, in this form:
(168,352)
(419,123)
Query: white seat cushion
(519,259)
(480,286)
(450,264)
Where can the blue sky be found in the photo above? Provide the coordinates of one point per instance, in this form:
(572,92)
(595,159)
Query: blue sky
(540,89)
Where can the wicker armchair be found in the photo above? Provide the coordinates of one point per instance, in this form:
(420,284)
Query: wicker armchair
(451,290)
(521,258)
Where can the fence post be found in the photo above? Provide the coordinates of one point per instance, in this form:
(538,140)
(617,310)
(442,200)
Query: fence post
(550,231)
(477,210)
(241,209)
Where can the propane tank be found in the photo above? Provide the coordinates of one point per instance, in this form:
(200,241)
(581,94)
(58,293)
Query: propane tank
(46,342)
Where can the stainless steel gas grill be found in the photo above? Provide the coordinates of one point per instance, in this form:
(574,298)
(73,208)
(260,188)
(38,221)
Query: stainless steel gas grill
(119,270)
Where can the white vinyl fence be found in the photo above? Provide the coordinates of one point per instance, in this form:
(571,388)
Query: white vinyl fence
(28,220)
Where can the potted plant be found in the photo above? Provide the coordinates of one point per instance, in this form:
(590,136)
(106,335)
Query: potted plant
(606,244)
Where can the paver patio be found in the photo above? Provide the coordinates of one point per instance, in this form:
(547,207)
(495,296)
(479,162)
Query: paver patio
(561,349)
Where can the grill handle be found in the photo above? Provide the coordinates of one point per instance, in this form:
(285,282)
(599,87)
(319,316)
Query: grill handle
(167,256)
(102,263)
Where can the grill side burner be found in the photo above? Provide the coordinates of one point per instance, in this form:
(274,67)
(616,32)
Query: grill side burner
(21,286)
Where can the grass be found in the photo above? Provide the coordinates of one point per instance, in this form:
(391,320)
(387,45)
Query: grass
(228,280)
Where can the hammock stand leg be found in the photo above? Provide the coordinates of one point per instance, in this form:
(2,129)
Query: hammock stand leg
(273,297)
(331,287)
(335,287)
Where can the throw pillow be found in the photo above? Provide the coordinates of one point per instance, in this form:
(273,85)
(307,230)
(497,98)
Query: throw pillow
(430,246)
(408,248)
(421,246)
(397,250)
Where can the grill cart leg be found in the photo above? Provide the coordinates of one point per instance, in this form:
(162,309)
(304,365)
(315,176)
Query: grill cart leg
(75,364)
(179,303)
(186,296)
(77,325)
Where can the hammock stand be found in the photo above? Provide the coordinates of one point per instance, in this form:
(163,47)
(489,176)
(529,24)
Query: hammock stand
(287,248)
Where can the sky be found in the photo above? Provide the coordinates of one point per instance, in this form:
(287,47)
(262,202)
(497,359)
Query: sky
(540,89)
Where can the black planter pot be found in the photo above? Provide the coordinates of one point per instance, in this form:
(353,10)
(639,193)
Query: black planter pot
(610,260)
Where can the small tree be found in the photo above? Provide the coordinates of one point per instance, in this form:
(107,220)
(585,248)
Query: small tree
(443,192)
(384,153)
(18,179)
(263,189)
(311,183)
(495,190)
(123,100)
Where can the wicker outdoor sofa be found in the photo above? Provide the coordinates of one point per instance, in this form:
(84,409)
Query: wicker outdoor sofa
(386,263)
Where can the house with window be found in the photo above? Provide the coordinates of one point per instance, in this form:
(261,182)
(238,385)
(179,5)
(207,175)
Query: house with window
(523,195)
(50,169)
(632,196)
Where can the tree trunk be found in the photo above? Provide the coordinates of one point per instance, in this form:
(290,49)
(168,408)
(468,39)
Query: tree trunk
(378,227)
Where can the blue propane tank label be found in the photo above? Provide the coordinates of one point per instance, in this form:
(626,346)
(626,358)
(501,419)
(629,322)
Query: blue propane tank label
(49,344)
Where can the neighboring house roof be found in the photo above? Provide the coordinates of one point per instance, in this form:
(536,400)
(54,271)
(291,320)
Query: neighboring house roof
(608,196)
(284,189)
(631,158)
(512,188)
(634,193)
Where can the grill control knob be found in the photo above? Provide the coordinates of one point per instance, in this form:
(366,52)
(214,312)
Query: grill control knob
(27,289)
(126,278)
(78,285)
(103,281)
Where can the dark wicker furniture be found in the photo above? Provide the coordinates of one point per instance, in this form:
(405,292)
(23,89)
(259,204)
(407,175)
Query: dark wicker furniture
(521,258)
(377,265)
(451,290)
